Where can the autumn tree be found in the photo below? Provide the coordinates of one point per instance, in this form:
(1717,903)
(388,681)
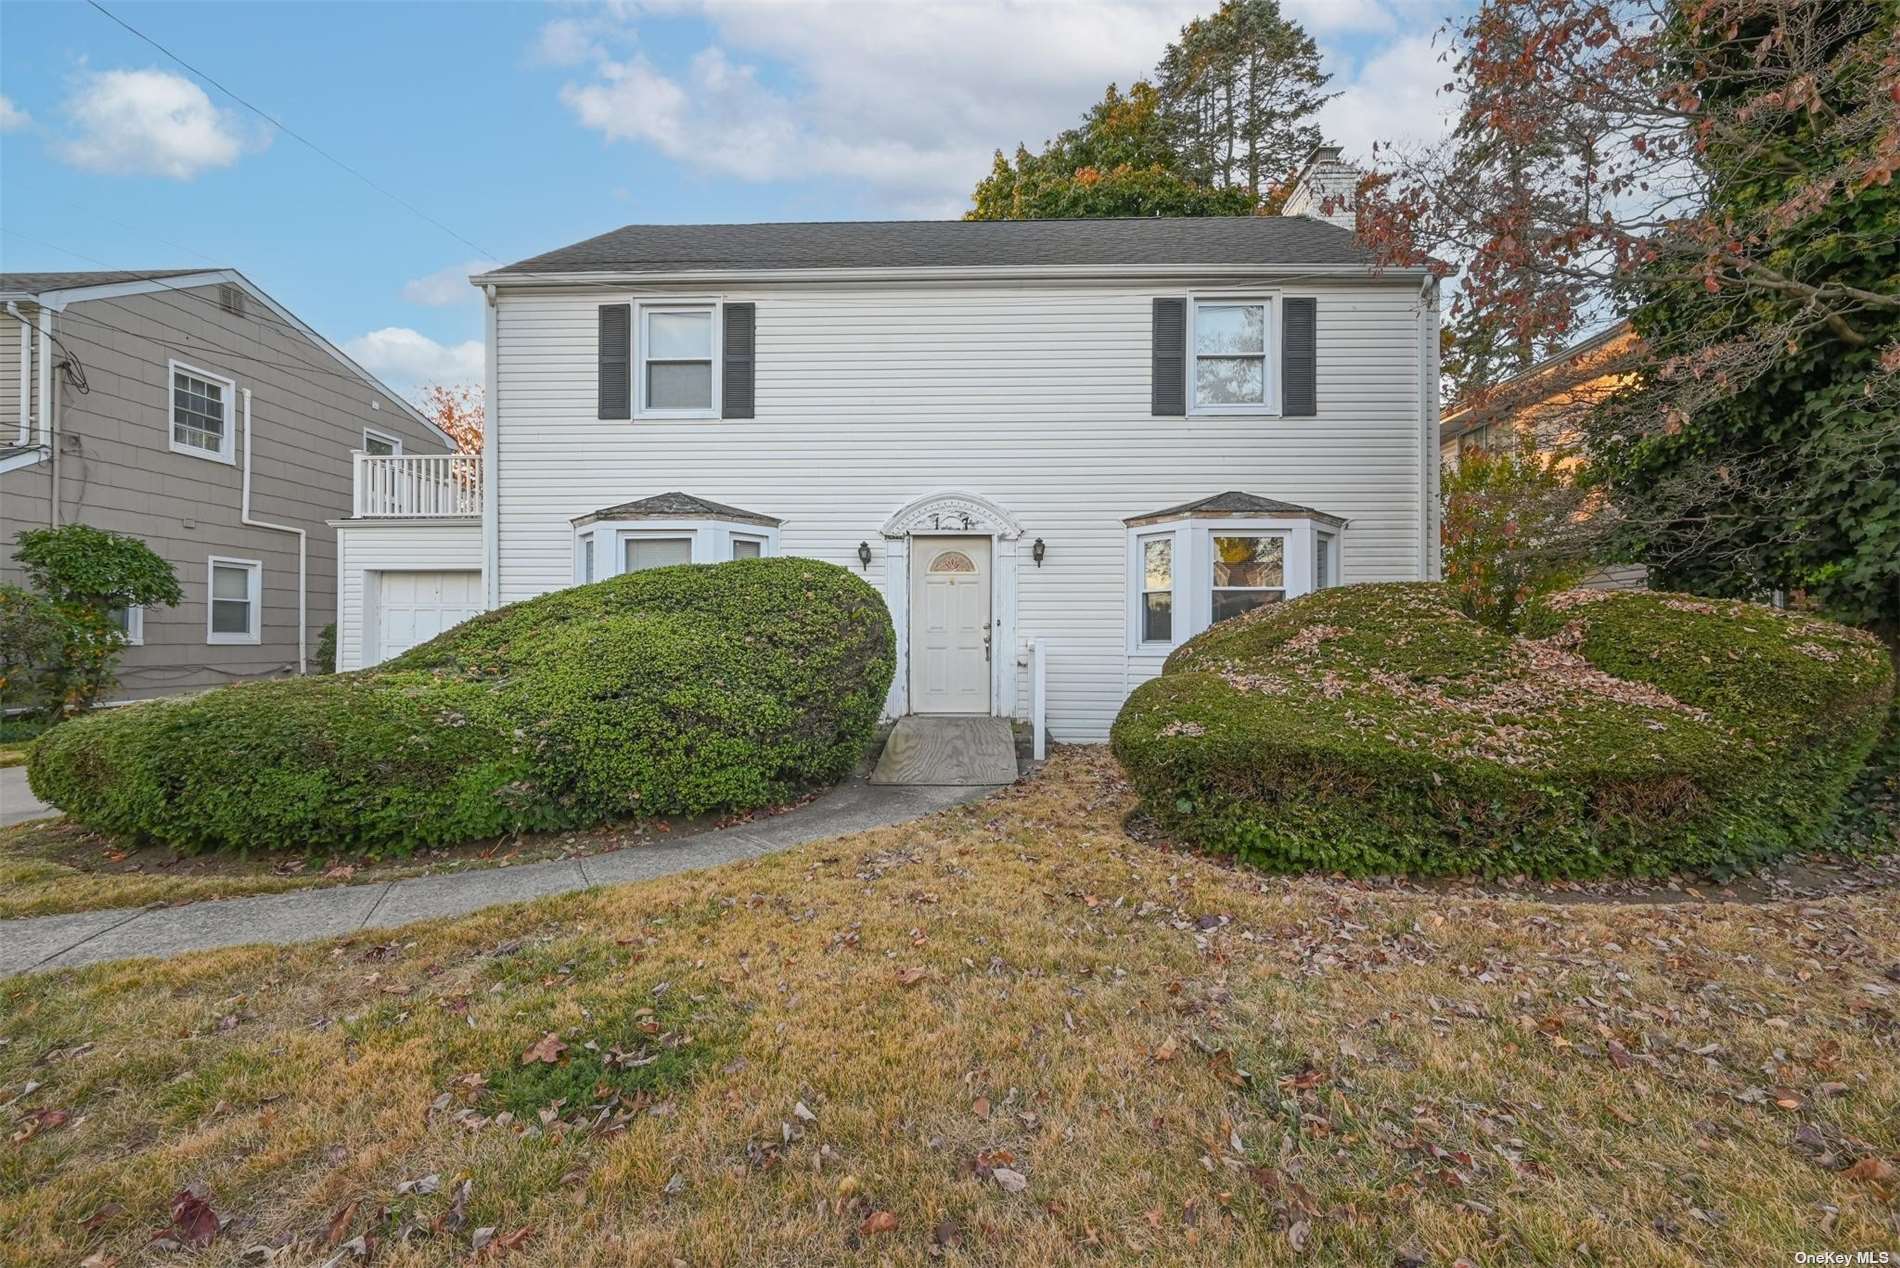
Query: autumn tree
(458,410)
(1226,119)
(1117,163)
(1721,169)
(1239,91)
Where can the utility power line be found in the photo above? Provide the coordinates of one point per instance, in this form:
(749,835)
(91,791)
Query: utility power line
(288,131)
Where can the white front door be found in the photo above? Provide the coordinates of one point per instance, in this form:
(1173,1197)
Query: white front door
(950,625)
(413,607)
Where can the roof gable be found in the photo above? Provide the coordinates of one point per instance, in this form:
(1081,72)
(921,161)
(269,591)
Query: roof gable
(675,506)
(1235,504)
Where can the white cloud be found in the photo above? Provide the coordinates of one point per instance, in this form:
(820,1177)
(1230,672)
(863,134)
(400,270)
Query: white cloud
(151,123)
(911,100)
(448,286)
(1325,17)
(1393,97)
(409,359)
(12,118)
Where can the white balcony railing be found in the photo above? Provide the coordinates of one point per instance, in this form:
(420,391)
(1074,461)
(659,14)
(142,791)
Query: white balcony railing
(417,486)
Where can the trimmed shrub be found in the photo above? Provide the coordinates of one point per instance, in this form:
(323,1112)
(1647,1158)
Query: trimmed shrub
(1376,729)
(671,691)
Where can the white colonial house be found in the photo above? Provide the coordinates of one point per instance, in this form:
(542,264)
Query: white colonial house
(1057,448)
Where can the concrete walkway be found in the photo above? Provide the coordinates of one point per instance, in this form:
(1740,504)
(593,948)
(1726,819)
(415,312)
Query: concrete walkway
(17,802)
(47,942)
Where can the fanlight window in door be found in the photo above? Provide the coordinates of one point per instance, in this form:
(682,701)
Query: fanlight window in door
(952,561)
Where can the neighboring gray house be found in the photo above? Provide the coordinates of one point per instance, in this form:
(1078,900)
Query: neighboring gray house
(191,410)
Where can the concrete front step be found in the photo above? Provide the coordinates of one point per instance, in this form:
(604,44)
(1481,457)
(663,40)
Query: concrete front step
(949,752)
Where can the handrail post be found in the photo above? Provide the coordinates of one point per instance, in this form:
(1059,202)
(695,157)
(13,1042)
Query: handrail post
(1039,696)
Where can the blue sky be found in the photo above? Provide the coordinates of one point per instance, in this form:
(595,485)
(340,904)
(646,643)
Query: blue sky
(522,127)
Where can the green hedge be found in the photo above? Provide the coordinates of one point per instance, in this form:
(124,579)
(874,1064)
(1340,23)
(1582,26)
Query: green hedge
(671,691)
(1376,730)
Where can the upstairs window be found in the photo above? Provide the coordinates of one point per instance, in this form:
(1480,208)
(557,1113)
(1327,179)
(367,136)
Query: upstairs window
(380,445)
(1230,339)
(677,361)
(203,413)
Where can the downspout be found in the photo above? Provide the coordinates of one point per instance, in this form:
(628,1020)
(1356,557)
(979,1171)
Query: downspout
(47,437)
(491,461)
(26,374)
(244,517)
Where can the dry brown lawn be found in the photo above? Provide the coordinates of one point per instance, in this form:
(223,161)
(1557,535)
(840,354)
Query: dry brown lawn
(1008,1034)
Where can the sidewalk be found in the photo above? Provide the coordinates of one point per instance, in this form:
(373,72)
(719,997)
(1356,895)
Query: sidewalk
(44,942)
(17,802)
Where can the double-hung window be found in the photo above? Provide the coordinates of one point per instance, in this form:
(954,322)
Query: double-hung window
(678,355)
(203,413)
(1231,373)
(129,621)
(235,602)
(1249,571)
(1156,564)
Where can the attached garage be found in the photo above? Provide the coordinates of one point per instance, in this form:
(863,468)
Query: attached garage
(413,607)
(402,582)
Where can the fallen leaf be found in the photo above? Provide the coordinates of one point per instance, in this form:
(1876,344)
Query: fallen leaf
(194,1223)
(878,1222)
(1168,1048)
(1013,1181)
(1872,1170)
(547,1049)
(40,1120)
(981,1107)
(911,976)
(799,1111)
(947,1234)
(340,1224)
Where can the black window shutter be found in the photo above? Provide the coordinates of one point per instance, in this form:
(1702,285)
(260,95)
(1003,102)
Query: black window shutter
(1170,357)
(616,361)
(736,374)
(1299,355)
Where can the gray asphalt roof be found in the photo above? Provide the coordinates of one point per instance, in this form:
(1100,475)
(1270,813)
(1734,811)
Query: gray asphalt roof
(1292,240)
(1233,502)
(39,283)
(674,505)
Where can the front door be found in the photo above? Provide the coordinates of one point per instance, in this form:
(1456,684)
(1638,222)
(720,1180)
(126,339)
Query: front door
(950,625)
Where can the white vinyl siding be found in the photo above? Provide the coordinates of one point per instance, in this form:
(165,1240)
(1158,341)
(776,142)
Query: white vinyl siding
(1036,398)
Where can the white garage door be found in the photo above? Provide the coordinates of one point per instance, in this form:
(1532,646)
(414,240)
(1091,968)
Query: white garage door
(413,607)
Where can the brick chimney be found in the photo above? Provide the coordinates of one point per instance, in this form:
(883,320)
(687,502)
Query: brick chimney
(1325,176)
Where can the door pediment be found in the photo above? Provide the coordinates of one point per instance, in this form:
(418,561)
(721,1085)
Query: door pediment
(949,512)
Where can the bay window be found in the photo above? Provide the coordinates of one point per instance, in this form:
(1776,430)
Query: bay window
(1218,558)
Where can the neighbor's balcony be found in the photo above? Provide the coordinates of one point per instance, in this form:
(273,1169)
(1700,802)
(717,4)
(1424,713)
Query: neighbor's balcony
(418,486)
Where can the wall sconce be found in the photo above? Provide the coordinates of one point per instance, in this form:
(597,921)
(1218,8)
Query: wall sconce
(1037,551)
(864,555)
